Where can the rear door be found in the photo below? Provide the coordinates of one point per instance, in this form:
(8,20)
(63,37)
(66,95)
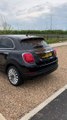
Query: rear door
(6,45)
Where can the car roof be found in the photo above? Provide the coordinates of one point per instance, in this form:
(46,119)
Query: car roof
(21,37)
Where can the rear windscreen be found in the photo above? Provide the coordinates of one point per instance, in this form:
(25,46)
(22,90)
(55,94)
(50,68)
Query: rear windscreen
(33,44)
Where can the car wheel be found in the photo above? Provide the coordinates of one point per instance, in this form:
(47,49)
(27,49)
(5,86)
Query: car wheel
(14,76)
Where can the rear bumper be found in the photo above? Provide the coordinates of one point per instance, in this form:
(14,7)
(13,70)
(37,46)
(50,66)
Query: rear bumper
(43,69)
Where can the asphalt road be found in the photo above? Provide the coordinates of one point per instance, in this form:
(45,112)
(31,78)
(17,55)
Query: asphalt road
(17,101)
(56,110)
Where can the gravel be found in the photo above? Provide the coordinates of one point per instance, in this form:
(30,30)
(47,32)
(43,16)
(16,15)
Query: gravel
(17,101)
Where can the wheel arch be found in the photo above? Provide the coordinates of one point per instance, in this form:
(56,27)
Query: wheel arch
(12,63)
(9,65)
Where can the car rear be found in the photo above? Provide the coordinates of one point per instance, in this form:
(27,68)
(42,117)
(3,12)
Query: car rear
(38,57)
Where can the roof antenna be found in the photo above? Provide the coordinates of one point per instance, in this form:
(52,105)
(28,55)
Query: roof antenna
(27,34)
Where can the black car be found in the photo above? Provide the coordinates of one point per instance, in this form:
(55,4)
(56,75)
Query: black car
(24,56)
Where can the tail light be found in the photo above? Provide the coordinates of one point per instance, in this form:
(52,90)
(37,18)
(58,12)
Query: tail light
(28,57)
(55,53)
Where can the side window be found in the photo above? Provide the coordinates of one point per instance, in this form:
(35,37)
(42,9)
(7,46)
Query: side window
(6,43)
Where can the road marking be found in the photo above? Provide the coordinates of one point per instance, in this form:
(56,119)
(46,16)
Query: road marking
(42,105)
(2,117)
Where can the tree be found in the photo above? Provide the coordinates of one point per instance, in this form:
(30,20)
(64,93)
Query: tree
(4,24)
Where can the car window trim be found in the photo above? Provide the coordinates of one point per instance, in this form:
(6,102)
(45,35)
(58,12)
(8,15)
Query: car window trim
(10,48)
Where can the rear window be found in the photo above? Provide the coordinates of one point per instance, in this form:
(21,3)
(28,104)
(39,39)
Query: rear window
(33,44)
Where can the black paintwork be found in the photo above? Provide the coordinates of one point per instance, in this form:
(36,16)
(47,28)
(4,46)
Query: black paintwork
(13,56)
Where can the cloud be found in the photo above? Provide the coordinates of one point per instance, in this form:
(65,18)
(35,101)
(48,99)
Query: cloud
(59,20)
(29,14)
(33,12)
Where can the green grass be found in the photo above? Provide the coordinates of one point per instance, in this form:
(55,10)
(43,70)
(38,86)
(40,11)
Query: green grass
(55,40)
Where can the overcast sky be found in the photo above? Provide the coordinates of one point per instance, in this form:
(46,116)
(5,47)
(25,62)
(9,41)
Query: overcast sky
(34,14)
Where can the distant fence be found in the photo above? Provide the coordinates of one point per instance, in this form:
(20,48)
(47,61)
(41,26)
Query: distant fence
(53,36)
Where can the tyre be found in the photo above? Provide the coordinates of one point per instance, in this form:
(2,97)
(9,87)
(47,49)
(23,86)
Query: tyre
(14,76)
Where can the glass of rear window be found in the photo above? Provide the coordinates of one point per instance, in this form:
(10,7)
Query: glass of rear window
(33,43)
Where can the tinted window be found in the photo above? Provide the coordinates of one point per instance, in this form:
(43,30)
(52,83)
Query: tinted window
(6,43)
(33,44)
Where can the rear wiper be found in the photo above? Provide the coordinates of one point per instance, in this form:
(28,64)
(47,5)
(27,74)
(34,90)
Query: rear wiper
(38,46)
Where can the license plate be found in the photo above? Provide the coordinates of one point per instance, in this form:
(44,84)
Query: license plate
(47,55)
